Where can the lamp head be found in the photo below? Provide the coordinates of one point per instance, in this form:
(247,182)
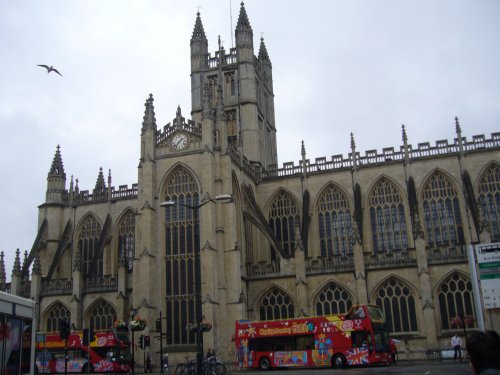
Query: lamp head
(167,203)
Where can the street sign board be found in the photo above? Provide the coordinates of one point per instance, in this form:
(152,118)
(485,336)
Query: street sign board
(488,261)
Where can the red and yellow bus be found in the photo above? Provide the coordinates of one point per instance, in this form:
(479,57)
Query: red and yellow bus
(108,352)
(359,337)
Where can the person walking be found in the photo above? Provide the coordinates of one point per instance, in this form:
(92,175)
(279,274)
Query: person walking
(148,363)
(456,343)
(164,363)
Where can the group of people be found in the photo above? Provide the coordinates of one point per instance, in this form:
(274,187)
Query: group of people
(483,349)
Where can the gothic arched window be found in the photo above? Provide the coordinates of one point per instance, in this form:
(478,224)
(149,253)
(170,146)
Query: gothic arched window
(398,302)
(126,239)
(333,299)
(455,297)
(212,88)
(443,223)
(334,221)
(87,243)
(182,251)
(230,84)
(489,200)
(102,316)
(56,313)
(283,218)
(387,217)
(250,247)
(276,305)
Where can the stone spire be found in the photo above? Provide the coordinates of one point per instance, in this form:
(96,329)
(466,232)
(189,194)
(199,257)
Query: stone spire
(149,120)
(37,266)
(56,180)
(25,262)
(16,270)
(353,153)
(263,55)
(198,32)
(57,167)
(459,136)
(405,145)
(199,48)
(100,185)
(244,37)
(3,278)
(303,154)
(243,22)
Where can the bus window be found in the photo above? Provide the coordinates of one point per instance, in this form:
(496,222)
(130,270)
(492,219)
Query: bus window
(359,339)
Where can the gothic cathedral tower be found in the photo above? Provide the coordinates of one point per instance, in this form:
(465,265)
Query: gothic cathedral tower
(241,84)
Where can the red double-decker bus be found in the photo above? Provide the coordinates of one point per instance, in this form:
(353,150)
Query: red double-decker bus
(109,351)
(359,337)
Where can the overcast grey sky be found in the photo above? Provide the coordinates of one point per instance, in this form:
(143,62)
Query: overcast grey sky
(339,67)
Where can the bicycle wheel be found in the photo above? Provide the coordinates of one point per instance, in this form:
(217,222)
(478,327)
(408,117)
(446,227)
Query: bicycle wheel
(180,369)
(220,368)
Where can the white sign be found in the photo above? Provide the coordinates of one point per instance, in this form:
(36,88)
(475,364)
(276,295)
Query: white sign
(488,261)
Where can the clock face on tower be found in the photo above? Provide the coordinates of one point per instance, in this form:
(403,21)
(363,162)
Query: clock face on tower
(179,141)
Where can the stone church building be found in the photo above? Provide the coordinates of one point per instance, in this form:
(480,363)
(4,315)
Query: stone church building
(212,208)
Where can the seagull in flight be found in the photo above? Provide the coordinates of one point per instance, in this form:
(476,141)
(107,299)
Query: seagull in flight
(50,69)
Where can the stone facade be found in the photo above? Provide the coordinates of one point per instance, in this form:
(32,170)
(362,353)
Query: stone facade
(389,227)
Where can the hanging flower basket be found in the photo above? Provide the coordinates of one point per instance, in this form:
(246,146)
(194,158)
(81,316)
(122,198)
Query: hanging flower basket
(204,326)
(457,322)
(137,324)
(121,325)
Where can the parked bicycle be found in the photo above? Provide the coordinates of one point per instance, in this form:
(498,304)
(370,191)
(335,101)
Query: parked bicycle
(210,366)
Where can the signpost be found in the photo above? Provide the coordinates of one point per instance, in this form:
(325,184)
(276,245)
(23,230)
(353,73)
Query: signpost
(488,261)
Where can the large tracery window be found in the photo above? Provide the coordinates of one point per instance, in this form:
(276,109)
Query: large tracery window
(455,298)
(489,200)
(102,316)
(57,313)
(87,243)
(334,219)
(398,302)
(276,305)
(333,299)
(443,223)
(126,239)
(387,217)
(182,251)
(283,218)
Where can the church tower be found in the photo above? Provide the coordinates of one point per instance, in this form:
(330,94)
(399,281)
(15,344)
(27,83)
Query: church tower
(241,84)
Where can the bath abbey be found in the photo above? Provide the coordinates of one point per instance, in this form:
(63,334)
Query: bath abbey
(214,227)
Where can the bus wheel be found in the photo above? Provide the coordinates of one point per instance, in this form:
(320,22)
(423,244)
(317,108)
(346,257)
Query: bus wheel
(338,361)
(264,363)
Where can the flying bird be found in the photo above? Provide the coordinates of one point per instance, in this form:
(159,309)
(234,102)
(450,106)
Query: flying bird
(50,69)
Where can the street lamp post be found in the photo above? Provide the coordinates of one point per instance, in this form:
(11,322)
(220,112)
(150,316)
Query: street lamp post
(198,302)
(133,313)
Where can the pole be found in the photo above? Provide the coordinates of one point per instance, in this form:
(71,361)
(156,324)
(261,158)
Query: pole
(199,312)
(133,351)
(66,356)
(161,345)
(475,287)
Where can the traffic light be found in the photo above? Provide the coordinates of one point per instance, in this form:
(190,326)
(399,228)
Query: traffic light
(146,341)
(141,341)
(86,337)
(64,329)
